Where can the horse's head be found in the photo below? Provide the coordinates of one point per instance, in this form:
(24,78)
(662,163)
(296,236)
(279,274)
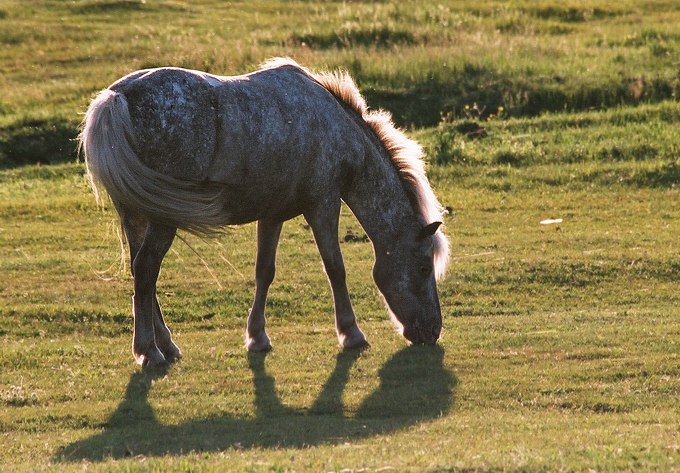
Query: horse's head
(405,274)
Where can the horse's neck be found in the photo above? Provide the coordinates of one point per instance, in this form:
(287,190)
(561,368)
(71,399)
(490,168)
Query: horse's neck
(379,201)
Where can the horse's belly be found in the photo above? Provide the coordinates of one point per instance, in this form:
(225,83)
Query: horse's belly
(268,179)
(249,205)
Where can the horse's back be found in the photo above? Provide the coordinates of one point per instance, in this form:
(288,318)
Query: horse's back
(277,118)
(283,140)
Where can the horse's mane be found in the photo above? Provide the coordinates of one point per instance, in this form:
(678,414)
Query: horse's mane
(406,154)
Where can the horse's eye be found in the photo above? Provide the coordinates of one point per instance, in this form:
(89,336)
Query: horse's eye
(425,269)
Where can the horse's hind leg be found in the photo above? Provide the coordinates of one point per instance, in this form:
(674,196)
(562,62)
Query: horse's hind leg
(152,341)
(163,335)
(324,223)
(268,233)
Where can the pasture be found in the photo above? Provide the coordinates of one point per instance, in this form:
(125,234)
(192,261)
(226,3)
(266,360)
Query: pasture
(561,343)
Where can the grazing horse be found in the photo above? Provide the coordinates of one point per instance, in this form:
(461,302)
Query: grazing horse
(183,149)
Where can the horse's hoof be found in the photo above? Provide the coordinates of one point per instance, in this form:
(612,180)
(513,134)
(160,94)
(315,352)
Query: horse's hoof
(172,353)
(354,339)
(258,344)
(361,345)
(152,359)
(174,359)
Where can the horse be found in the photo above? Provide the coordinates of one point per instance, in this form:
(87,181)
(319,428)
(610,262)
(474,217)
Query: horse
(179,149)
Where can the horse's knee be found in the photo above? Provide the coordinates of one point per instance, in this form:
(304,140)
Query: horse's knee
(335,270)
(145,275)
(264,274)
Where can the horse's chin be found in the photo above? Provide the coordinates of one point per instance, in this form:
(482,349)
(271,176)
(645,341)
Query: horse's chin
(420,337)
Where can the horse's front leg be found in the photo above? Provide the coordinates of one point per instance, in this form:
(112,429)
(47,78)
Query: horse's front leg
(268,233)
(145,268)
(324,223)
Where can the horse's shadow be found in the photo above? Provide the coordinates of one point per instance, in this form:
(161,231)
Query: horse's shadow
(414,387)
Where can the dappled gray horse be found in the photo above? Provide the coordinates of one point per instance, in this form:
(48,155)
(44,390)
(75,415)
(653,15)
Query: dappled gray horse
(181,149)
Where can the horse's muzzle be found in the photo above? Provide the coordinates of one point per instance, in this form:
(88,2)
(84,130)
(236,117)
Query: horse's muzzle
(427,335)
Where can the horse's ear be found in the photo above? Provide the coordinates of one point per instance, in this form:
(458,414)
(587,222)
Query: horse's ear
(428,230)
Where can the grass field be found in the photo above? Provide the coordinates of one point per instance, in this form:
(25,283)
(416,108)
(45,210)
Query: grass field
(561,344)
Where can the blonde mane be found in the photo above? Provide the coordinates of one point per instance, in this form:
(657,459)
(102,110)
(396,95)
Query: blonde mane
(406,154)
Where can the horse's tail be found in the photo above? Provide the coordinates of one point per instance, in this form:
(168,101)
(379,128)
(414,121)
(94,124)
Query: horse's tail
(107,140)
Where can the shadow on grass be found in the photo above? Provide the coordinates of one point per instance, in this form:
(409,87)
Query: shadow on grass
(414,387)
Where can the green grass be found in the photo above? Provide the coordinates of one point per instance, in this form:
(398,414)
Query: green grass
(561,342)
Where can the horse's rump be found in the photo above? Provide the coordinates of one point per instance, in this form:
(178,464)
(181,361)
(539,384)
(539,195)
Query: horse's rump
(107,141)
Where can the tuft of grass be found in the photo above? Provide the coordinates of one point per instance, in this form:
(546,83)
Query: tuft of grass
(574,14)
(374,37)
(108,7)
(38,141)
